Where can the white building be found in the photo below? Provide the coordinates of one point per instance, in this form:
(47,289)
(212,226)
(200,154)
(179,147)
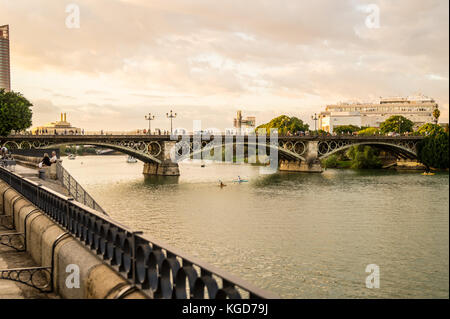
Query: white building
(418,109)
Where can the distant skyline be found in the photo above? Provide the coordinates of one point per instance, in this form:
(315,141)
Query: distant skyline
(4,58)
(206,59)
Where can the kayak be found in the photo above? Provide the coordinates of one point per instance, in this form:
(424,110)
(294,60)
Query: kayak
(430,174)
(240,181)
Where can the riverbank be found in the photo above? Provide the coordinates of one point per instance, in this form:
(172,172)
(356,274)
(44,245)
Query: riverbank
(68,266)
(397,165)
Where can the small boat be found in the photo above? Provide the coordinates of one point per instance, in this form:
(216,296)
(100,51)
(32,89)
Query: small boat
(428,173)
(239,180)
(72,156)
(221,184)
(131,159)
(203,165)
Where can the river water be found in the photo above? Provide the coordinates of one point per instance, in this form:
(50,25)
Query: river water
(298,235)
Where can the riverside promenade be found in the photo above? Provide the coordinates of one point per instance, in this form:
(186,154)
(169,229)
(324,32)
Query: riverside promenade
(82,253)
(11,258)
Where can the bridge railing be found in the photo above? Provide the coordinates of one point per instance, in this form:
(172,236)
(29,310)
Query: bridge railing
(147,264)
(75,189)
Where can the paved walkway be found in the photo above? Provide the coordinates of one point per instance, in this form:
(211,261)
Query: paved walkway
(10,258)
(33,174)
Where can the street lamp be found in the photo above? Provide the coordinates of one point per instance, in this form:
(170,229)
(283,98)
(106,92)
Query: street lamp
(315,118)
(149,118)
(171,117)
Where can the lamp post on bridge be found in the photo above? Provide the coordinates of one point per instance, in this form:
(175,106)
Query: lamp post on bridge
(149,118)
(171,117)
(315,118)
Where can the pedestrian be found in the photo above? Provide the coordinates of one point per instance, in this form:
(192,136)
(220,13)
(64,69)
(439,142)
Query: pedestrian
(54,159)
(45,161)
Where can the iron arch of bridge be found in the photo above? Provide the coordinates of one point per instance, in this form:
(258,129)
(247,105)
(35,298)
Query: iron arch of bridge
(139,151)
(286,150)
(401,150)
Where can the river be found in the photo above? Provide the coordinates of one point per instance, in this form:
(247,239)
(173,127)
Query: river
(298,235)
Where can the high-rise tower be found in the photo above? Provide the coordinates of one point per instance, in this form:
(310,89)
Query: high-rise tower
(5,75)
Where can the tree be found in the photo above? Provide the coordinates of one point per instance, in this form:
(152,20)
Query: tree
(433,150)
(397,124)
(15,112)
(363,157)
(429,129)
(436,114)
(330,162)
(369,131)
(284,124)
(342,129)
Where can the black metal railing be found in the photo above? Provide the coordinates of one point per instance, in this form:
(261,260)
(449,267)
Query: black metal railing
(75,189)
(147,264)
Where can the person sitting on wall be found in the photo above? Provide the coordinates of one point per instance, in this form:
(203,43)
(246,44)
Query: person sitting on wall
(45,161)
(4,152)
(54,159)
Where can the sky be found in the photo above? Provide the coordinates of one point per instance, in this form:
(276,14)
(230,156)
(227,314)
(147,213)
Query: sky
(207,59)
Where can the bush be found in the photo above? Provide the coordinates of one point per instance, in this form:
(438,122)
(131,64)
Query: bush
(429,129)
(363,157)
(344,129)
(433,150)
(330,162)
(369,131)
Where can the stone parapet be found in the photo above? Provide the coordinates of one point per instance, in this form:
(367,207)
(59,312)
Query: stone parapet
(97,280)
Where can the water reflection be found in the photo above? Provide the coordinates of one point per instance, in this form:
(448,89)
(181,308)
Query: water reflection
(297,234)
(152,180)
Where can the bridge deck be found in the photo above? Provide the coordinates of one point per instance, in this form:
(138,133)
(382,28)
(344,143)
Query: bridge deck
(57,138)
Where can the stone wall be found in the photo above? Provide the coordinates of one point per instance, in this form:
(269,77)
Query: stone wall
(97,280)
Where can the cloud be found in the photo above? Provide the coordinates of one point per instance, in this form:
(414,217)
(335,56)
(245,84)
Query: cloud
(267,57)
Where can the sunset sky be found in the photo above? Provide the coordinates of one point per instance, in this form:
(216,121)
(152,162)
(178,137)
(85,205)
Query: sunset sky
(208,59)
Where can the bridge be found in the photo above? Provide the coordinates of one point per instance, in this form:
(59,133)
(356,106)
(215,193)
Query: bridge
(293,153)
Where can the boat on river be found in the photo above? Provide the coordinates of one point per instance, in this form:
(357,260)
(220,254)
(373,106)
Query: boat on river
(428,173)
(131,159)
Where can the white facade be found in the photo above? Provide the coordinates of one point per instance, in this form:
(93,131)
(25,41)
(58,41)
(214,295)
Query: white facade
(418,109)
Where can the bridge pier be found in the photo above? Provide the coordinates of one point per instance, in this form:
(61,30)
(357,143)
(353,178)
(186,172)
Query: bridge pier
(166,167)
(299,166)
(311,165)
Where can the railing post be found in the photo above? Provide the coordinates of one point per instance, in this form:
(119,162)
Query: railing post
(68,186)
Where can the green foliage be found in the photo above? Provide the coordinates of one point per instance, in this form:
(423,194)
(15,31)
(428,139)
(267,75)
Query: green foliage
(433,150)
(330,162)
(284,124)
(336,161)
(429,129)
(343,129)
(369,131)
(15,112)
(363,157)
(436,114)
(397,124)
